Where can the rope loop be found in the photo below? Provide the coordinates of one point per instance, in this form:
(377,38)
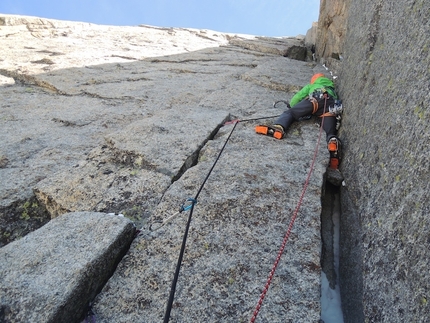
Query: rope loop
(283,101)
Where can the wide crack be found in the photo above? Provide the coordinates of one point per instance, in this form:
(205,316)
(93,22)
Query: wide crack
(331,310)
(20,218)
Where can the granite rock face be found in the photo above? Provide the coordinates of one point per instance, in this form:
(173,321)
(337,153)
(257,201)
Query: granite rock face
(131,123)
(384,82)
(331,32)
(58,103)
(52,274)
(311,35)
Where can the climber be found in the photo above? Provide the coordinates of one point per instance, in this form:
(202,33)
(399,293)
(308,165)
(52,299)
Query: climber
(318,98)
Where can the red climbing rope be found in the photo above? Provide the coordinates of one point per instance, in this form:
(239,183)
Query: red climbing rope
(290,227)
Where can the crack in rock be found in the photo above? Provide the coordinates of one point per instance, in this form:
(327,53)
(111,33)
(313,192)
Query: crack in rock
(192,160)
(30,80)
(71,123)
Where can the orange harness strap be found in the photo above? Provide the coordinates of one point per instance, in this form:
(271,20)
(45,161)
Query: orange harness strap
(314,104)
(327,114)
(315,108)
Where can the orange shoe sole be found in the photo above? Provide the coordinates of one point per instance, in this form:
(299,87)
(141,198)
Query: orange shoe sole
(269,131)
(334,163)
(332,146)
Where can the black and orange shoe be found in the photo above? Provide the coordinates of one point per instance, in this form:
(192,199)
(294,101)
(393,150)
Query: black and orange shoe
(334,163)
(333,147)
(275,131)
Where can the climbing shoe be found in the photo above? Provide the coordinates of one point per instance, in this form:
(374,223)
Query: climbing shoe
(333,147)
(275,131)
(334,163)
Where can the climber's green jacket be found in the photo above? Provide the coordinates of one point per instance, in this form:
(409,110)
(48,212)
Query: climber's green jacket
(320,83)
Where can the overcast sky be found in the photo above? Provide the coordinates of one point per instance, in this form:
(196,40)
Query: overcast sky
(254,17)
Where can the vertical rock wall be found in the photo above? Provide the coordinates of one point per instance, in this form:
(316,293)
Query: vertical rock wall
(384,83)
(130,120)
(331,30)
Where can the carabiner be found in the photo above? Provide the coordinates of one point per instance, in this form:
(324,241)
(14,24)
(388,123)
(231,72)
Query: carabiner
(187,207)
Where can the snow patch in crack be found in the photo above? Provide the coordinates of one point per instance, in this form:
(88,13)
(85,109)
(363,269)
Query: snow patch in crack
(331,307)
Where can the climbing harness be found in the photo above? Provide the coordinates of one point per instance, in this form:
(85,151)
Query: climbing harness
(287,234)
(314,102)
(318,95)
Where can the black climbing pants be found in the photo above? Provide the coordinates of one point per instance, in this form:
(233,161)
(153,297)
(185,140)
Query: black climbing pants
(305,108)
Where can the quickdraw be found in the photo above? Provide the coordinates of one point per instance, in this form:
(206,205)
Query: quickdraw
(183,208)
